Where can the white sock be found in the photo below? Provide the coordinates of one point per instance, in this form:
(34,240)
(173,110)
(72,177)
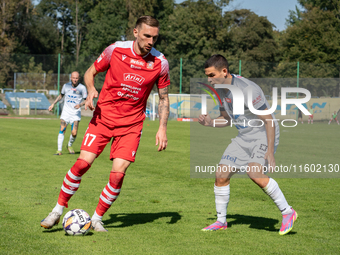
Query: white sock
(58,208)
(71,141)
(272,189)
(222,195)
(96,217)
(60,141)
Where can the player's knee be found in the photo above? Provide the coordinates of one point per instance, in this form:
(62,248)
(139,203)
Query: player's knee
(253,175)
(222,181)
(224,172)
(62,130)
(120,165)
(74,133)
(119,168)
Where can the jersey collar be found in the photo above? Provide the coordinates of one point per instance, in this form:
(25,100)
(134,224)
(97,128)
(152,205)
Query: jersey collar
(135,53)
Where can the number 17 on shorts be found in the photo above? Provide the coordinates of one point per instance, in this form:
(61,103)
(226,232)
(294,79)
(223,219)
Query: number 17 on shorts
(95,139)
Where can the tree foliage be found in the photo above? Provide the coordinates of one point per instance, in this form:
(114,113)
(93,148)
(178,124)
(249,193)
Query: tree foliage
(190,31)
(314,39)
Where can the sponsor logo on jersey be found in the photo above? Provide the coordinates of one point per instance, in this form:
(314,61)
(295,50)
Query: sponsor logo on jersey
(150,64)
(227,157)
(135,67)
(134,77)
(257,100)
(133,153)
(123,57)
(136,62)
(228,100)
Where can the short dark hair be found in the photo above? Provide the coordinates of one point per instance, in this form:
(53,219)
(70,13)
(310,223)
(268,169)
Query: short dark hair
(217,61)
(148,20)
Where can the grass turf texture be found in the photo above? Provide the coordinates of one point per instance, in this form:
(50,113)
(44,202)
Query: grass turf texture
(161,210)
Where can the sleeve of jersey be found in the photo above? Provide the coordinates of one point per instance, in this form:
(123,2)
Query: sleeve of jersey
(164,76)
(63,90)
(258,101)
(84,93)
(103,62)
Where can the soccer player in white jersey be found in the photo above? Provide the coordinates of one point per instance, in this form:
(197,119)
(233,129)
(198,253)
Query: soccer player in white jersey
(251,150)
(75,94)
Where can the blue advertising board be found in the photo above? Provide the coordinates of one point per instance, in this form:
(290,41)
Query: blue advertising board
(2,105)
(37,100)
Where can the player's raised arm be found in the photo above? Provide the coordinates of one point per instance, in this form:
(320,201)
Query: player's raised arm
(91,90)
(163,111)
(270,130)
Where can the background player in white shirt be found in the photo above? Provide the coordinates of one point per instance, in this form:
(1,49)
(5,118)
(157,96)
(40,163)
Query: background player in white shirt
(75,95)
(253,148)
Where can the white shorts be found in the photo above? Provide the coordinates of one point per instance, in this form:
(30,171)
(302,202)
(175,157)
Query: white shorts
(68,118)
(242,152)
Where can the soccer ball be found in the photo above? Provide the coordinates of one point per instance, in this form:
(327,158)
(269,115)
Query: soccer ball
(77,222)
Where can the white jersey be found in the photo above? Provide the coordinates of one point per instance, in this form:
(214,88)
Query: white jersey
(72,97)
(249,125)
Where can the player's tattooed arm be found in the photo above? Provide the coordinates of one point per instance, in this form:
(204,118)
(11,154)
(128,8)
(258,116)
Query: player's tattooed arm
(163,111)
(55,101)
(163,106)
(81,104)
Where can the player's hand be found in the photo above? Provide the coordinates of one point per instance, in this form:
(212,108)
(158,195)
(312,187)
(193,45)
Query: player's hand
(161,139)
(204,119)
(77,106)
(89,100)
(50,108)
(269,156)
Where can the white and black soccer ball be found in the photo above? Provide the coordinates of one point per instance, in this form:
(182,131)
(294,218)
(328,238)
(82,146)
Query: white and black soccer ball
(77,222)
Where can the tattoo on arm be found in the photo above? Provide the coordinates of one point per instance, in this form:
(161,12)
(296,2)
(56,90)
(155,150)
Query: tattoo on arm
(163,106)
(58,99)
(82,103)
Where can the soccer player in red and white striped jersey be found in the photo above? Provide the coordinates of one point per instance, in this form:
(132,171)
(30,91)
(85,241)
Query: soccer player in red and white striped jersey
(133,67)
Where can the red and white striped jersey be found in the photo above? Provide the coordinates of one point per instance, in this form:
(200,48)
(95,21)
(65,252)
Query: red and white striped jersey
(128,82)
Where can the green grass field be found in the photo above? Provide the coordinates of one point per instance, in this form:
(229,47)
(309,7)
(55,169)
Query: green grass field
(161,209)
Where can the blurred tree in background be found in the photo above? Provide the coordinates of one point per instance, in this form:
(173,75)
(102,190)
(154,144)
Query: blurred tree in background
(191,30)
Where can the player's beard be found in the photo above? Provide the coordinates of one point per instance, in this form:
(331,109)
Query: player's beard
(143,50)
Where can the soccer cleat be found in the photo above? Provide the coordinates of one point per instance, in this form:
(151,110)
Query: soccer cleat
(216,226)
(70,149)
(97,225)
(288,222)
(51,220)
(58,153)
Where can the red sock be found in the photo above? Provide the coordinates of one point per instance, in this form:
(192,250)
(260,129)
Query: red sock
(72,181)
(110,192)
